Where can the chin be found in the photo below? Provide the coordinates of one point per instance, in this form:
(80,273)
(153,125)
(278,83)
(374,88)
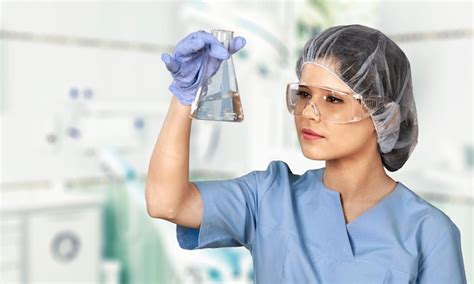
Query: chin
(314,155)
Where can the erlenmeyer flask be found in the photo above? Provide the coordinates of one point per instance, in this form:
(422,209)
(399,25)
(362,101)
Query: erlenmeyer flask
(218,99)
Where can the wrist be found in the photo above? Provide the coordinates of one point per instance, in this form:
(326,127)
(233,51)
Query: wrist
(180,106)
(185,96)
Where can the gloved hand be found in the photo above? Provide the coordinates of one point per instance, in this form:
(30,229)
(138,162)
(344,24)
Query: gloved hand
(198,53)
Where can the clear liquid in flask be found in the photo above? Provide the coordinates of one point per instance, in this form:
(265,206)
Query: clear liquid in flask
(220,107)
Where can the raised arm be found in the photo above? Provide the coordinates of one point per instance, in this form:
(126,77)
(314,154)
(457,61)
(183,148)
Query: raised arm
(169,194)
(167,184)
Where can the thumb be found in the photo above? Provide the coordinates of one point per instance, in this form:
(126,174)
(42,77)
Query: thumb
(236,44)
(171,64)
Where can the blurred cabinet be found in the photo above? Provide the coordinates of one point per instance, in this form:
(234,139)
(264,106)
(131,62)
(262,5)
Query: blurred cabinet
(50,237)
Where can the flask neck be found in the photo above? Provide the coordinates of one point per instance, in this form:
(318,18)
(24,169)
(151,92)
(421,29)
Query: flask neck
(223,36)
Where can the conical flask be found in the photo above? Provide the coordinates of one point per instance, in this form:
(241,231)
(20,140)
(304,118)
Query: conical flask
(218,99)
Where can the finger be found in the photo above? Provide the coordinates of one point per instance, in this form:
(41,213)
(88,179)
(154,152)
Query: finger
(171,64)
(189,46)
(217,49)
(218,52)
(212,66)
(236,44)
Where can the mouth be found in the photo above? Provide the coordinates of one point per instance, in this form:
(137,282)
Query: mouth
(310,134)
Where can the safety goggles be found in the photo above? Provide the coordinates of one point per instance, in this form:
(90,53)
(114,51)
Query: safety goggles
(328,104)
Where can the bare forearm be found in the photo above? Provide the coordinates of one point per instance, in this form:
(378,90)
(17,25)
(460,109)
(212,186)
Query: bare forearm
(168,171)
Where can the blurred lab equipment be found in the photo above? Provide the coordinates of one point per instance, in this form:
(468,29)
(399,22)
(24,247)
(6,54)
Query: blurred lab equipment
(50,236)
(110,272)
(218,98)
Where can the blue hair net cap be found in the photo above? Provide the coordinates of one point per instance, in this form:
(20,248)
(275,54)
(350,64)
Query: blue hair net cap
(372,65)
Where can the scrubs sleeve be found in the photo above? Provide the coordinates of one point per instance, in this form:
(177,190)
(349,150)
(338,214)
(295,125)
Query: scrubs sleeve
(444,263)
(230,209)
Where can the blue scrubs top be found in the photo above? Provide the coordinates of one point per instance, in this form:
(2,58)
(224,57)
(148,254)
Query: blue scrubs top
(295,230)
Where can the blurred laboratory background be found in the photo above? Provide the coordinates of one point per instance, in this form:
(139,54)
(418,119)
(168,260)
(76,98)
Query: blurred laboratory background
(84,93)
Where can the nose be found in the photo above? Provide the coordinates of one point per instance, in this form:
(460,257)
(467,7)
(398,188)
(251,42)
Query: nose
(312,112)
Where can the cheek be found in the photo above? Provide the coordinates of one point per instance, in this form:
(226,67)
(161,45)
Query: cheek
(297,123)
(353,137)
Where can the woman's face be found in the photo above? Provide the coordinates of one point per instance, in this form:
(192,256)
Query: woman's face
(339,140)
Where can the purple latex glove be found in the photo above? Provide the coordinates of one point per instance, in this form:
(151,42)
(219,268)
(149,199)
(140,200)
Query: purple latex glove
(189,61)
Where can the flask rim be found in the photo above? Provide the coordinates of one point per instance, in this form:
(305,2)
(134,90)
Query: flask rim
(222,35)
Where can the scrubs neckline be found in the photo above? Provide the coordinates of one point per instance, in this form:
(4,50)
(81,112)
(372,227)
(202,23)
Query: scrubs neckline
(337,195)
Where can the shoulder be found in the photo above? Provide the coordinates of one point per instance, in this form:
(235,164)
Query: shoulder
(428,222)
(275,170)
(277,176)
(279,165)
(426,213)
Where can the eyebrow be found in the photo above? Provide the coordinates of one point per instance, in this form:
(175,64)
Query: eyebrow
(308,86)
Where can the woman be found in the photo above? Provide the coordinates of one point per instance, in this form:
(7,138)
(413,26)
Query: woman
(348,222)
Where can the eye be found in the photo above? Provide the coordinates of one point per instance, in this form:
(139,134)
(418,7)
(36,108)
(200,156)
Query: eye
(332,99)
(303,94)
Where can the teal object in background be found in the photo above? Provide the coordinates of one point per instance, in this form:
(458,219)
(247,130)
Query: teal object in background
(129,237)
